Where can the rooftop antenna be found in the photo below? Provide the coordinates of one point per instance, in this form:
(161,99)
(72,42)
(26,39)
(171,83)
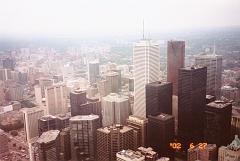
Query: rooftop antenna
(214,48)
(143,29)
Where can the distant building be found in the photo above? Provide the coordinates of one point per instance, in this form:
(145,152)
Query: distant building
(158,98)
(62,120)
(217,128)
(4,149)
(15,91)
(210,99)
(5,74)
(9,63)
(49,146)
(112,79)
(139,126)
(230,152)
(93,71)
(175,61)
(213,63)
(231,93)
(46,123)
(203,153)
(77,98)
(149,154)
(113,139)
(146,61)
(115,109)
(56,99)
(130,155)
(83,136)
(160,133)
(191,104)
(103,88)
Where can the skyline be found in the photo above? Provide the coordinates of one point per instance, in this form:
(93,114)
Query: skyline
(95,18)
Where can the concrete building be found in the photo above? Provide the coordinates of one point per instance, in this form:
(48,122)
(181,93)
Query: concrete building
(5,74)
(217,130)
(65,144)
(115,109)
(46,123)
(213,63)
(93,71)
(161,133)
(112,79)
(235,123)
(175,61)
(49,146)
(56,99)
(83,136)
(191,104)
(130,155)
(139,126)
(203,152)
(113,139)
(158,98)
(63,120)
(149,154)
(230,152)
(146,61)
(103,88)
(4,149)
(15,91)
(77,98)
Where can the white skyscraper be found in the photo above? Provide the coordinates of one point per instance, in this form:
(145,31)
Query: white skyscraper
(146,61)
(115,109)
(213,63)
(56,99)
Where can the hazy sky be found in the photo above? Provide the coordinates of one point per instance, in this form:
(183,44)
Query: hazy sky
(100,17)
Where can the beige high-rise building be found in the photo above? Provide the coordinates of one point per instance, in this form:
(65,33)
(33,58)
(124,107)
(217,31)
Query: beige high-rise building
(213,63)
(112,79)
(56,99)
(139,125)
(146,61)
(230,152)
(93,71)
(203,152)
(5,74)
(115,109)
(113,139)
(103,88)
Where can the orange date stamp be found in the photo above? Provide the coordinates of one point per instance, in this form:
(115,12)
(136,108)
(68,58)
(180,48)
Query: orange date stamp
(178,146)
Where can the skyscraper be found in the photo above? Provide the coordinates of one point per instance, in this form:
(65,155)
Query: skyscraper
(161,133)
(93,71)
(139,125)
(203,153)
(49,146)
(175,61)
(191,104)
(46,123)
(115,109)
(112,79)
(217,128)
(213,63)
(77,98)
(130,155)
(146,61)
(5,74)
(158,98)
(65,144)
(56,99)
(83,136)
(113,139)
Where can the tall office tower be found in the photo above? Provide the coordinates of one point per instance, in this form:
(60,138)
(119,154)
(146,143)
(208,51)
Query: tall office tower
(31,116)
(113,139)
(146,61)
(15,91)
(213,63)
(46,123)
(63,120)
(115,109)
(93,71)
(49,146)
(103,88)
(56,99)
(4,149)
(139,126)
(77,98)
(175,61)
(5,74)
(39,89)
(8,63)
(149,154)
(161,133)
(96,107)
(119,78)
(230,152)
(158,98)
(202,152)
(217,128)
(83,136)
(129,155)
(191,104)
(65,144)
(112,79)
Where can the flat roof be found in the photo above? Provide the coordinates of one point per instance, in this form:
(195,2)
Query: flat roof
(48,136)
(84,117)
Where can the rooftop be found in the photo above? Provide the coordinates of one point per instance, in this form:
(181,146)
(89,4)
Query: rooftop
(158,83)
(219,104)
(130,154)
(48,136)
(162,116)
(108,129)
(84,117)
(114,97)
